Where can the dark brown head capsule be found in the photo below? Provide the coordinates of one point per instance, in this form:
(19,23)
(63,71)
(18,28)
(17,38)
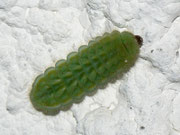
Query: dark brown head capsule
(139,39)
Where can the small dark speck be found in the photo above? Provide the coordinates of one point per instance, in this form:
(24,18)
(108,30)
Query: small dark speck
(130,107)
(142,127)
(177,53)
(152,51)
(157,103)
(160,49)
(9,109)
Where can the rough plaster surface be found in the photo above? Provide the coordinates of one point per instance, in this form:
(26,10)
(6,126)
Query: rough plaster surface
(34,34)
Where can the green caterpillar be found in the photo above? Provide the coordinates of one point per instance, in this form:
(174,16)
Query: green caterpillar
(83,71)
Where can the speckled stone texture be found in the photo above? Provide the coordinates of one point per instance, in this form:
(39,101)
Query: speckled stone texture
(34,34)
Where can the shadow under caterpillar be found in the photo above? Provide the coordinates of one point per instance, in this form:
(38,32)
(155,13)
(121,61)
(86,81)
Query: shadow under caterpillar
(84,71)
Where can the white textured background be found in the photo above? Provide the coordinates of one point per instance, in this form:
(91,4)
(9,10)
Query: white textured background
(34,34)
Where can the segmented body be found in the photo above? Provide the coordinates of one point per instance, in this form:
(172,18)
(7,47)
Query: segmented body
(83,71)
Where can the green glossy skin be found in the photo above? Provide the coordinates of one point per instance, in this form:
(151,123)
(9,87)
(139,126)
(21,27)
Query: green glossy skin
(83,71)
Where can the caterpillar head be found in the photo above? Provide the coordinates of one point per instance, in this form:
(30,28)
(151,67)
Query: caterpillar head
(131,43)
(139,39)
